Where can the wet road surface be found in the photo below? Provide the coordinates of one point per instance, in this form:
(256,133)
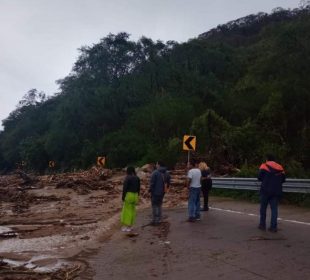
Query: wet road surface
(225,244)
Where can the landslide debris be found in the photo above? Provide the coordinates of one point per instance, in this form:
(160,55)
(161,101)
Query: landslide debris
(64,213)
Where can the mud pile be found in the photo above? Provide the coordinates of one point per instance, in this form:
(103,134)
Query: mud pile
(47,221)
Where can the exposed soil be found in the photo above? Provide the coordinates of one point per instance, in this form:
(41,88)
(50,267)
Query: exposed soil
(47,220)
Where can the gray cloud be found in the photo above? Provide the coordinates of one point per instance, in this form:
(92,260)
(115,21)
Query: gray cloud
(40,38)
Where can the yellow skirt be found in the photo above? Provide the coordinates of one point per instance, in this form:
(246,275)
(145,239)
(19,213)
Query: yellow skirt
(128,215)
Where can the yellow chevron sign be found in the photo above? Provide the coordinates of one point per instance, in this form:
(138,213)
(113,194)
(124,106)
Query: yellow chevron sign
(189,143)
(101,161)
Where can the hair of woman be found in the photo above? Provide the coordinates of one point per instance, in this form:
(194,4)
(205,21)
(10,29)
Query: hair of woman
(130,170)
(203,166)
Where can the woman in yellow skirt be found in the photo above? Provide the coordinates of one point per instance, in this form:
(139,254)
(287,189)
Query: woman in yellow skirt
(131,190)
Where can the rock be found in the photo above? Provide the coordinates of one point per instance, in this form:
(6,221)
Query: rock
(147,168)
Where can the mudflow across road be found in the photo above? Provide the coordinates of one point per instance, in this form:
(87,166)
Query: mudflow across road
(66,226)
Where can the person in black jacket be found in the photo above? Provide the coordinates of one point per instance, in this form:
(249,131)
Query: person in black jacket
(160,181)
(130,196)
(272,176)
(206,184)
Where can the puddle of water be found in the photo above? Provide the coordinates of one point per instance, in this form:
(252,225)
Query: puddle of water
(13,262)
(4,229)
(34,244)
(57,241)
(47,263)
(48,253)
(42,263)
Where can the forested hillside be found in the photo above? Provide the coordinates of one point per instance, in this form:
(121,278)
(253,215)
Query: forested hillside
(242,88)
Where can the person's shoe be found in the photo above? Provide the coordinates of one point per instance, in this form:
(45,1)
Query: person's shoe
(261,227)
(191,220)
(197,219)
(124,229)
(272,229)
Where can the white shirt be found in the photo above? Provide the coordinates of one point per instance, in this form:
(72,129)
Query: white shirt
(195,175)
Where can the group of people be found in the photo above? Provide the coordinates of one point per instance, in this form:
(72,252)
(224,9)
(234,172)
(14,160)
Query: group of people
(198,180)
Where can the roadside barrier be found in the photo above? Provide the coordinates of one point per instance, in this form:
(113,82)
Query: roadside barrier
(290,185)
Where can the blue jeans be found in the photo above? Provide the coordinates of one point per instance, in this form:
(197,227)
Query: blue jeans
(157,201)
(194,203)
(273,201)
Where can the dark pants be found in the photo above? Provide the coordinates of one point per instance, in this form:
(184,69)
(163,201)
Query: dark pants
(273,201)
(157,201)
(205,192)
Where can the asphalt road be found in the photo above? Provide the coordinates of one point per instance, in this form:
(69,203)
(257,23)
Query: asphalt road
(225,244)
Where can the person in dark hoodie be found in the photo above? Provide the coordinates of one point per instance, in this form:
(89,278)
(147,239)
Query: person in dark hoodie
(272,176)
(160,181)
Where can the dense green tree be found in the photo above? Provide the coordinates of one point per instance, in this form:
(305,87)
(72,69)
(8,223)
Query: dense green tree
(210,130)
(33,153)
(242,88)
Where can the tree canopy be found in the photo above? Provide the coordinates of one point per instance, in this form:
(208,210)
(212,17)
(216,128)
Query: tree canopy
(242,88)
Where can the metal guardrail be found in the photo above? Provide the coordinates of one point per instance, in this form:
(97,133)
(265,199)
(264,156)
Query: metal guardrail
(290,185)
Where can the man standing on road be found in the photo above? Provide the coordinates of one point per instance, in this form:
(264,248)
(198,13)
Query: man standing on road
(194,186)
(272,176)
(160,180)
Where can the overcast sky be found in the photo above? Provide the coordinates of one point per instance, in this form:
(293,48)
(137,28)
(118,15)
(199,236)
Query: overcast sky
(40,38)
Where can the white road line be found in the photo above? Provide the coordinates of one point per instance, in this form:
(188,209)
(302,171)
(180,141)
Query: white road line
(255,215)
(294,221)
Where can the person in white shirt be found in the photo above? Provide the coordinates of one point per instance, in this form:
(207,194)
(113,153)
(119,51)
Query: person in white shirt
(194,186)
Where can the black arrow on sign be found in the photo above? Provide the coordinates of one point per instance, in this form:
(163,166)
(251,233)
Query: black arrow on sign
(188,142)
(101,161)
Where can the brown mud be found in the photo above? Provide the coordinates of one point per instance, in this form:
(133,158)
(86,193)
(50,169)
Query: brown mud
(46,222)
(54,226)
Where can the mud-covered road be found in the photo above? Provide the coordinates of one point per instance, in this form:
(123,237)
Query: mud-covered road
(47,221)
(66,226)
